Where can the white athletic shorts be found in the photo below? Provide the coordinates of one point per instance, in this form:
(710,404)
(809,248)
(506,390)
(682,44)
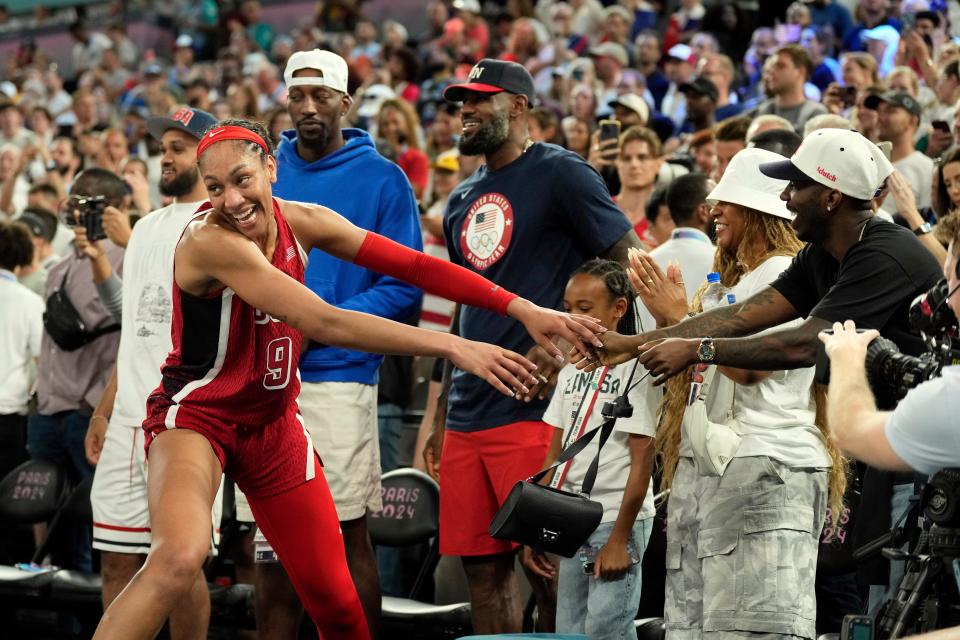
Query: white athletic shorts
(121,518)
(341,418)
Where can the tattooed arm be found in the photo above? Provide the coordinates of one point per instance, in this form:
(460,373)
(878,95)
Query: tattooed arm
(788,349)
(766,308)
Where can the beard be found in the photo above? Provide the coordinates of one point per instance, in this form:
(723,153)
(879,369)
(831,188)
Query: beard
(182,184)
(316,139)
(487,138)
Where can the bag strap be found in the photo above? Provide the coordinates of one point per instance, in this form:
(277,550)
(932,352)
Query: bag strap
(581,443)
(102,331)
(580,421)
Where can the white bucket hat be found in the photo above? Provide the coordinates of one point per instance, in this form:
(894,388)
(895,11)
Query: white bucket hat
(744,185)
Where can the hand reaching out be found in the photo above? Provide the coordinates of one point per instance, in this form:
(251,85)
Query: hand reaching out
(546,325)
(508,372)
(666,358)
(616,349)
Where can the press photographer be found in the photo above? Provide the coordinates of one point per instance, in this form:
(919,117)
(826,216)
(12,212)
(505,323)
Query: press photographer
(80,339)
(920,433)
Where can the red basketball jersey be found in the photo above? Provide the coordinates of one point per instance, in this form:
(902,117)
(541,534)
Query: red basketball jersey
(230,361)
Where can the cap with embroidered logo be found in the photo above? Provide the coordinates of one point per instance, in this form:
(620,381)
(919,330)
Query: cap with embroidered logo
(332,68)
(187,119)
(837,158)
(494,76)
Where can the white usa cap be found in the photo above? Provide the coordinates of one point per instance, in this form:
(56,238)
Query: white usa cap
(837,158)
(744,185)
(332,68)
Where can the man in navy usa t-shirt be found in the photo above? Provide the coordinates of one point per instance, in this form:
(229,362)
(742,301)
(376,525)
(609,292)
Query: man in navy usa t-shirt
(525,220)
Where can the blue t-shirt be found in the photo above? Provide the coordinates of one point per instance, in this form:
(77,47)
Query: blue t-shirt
(526,227)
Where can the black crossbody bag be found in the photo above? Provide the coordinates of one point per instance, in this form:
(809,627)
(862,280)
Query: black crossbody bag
(64,324)
(553,520)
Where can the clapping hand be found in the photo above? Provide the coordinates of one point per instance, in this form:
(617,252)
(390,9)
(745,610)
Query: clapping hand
(664,294)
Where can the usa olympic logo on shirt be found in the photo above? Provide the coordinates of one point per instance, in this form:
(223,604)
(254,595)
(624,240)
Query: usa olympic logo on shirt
(487,230)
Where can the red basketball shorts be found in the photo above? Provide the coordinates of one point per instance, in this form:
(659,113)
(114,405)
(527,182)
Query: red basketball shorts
(263,460)
(477,471)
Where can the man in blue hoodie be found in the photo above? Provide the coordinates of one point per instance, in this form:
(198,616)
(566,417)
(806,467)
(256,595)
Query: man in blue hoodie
(340,169)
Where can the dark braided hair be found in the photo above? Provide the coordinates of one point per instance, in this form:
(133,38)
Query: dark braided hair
(255,126)
(618,285)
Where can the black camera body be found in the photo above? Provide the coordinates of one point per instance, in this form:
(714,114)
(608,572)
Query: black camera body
(892,373)
(86,212)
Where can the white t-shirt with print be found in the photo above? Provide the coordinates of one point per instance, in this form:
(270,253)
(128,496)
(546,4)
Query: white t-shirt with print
(777,414)
(615,457)
(145,339)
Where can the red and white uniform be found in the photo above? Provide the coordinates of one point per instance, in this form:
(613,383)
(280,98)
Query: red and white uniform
(232,376)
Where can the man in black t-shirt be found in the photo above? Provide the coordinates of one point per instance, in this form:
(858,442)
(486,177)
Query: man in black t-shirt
(854,267)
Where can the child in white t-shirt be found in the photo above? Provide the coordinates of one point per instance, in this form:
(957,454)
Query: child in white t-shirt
(598,592)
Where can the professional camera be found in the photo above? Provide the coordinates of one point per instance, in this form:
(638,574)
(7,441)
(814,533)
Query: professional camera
(891,373)
(86,212)
(894,373)
(927,597)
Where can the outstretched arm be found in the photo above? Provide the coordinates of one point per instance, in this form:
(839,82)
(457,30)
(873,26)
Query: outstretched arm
(787,349)
(211,253)
(331,232)
(766,308)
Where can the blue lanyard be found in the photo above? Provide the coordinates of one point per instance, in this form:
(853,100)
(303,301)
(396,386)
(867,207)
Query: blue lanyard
(7,275)
(691,234)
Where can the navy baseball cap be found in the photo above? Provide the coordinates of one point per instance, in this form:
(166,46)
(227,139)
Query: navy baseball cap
(192,121)
(494,76)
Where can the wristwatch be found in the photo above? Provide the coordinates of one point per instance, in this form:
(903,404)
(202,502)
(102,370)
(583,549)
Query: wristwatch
(707,350)
(924,228)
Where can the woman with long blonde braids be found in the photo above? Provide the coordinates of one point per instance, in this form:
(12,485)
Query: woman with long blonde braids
(742,546)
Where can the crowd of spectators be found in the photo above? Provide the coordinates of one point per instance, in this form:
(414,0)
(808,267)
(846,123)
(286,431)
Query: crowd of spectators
(683,86)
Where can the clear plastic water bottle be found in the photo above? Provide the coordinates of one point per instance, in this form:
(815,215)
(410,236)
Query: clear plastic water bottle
(715,294)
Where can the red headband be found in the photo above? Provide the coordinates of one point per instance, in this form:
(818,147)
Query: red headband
(219,134)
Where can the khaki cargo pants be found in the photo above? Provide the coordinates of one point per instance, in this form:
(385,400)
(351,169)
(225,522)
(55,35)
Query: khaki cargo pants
(742,551)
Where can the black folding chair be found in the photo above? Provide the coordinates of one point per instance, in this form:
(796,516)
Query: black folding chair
(411,516)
